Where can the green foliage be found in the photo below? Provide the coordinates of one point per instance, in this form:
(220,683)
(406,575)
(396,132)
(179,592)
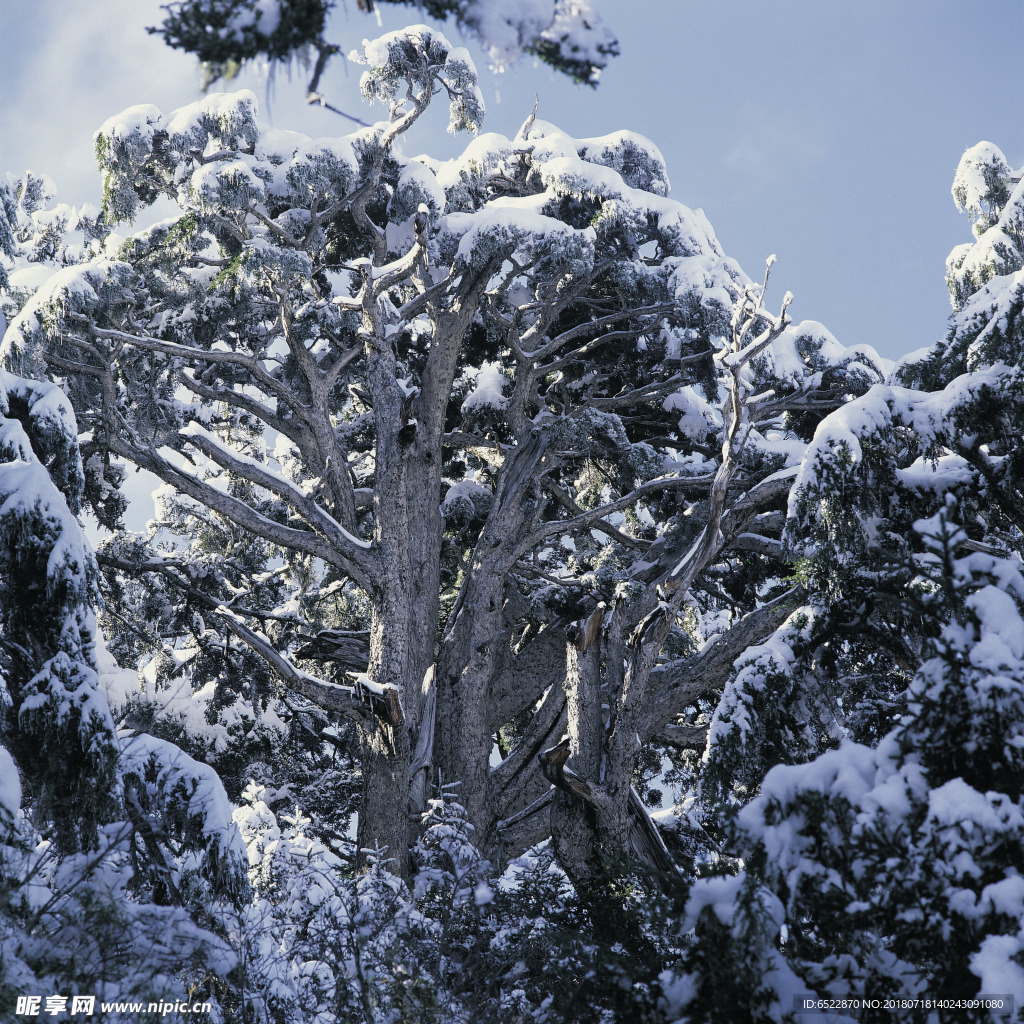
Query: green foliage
(224,31)
(227,33)
(896,870)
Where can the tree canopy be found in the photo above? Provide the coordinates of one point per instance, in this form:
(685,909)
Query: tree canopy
(568,35)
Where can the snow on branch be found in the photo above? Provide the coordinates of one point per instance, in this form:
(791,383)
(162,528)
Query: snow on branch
(247,467)
(239,512)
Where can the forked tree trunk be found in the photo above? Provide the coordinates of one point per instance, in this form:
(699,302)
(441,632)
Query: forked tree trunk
(590,816)
(463,735)
(472,651)
(617,699)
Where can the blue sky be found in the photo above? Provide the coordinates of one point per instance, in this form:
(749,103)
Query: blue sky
(826,132)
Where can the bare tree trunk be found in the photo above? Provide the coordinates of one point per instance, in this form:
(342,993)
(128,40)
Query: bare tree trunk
(464,737)
(472,653)
(383,812)
(590,820)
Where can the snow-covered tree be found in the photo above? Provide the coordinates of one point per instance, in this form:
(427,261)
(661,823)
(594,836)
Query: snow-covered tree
(566,34)
(486,484)
(99,840)
(518,404)
(55,719)
(895,871)
(891,866)
(948,422)
(115,851)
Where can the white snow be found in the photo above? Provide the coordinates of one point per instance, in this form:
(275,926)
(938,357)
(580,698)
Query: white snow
(206,798)
(377,52)
(753,666)
(10,784)
(956,803)
(228,114)
(464,490)
(847,772)
(278,145)
(418,177)
(264,17)
(718,894)
(1005,897)
(490,383)
(30,278)
(940,475)
(74,287)
(505,26)
(996,964)
(629,153)
(117,684)
(212,183)
(699,417)
(139,122)
(1002,630)
(480,156)
(320,165)
(516,224)
(26,489)
(971,186)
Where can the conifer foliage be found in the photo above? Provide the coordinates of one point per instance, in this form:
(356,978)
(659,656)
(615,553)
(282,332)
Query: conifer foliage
(88,865)
(890,868)
(566,34)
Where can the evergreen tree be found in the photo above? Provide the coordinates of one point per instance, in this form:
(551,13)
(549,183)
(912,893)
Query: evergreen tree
(95,897)
(890,867)
(55,720)
(565,34)
(113,858)
(488,387)
(518,408)
(494,470)
(896,872)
